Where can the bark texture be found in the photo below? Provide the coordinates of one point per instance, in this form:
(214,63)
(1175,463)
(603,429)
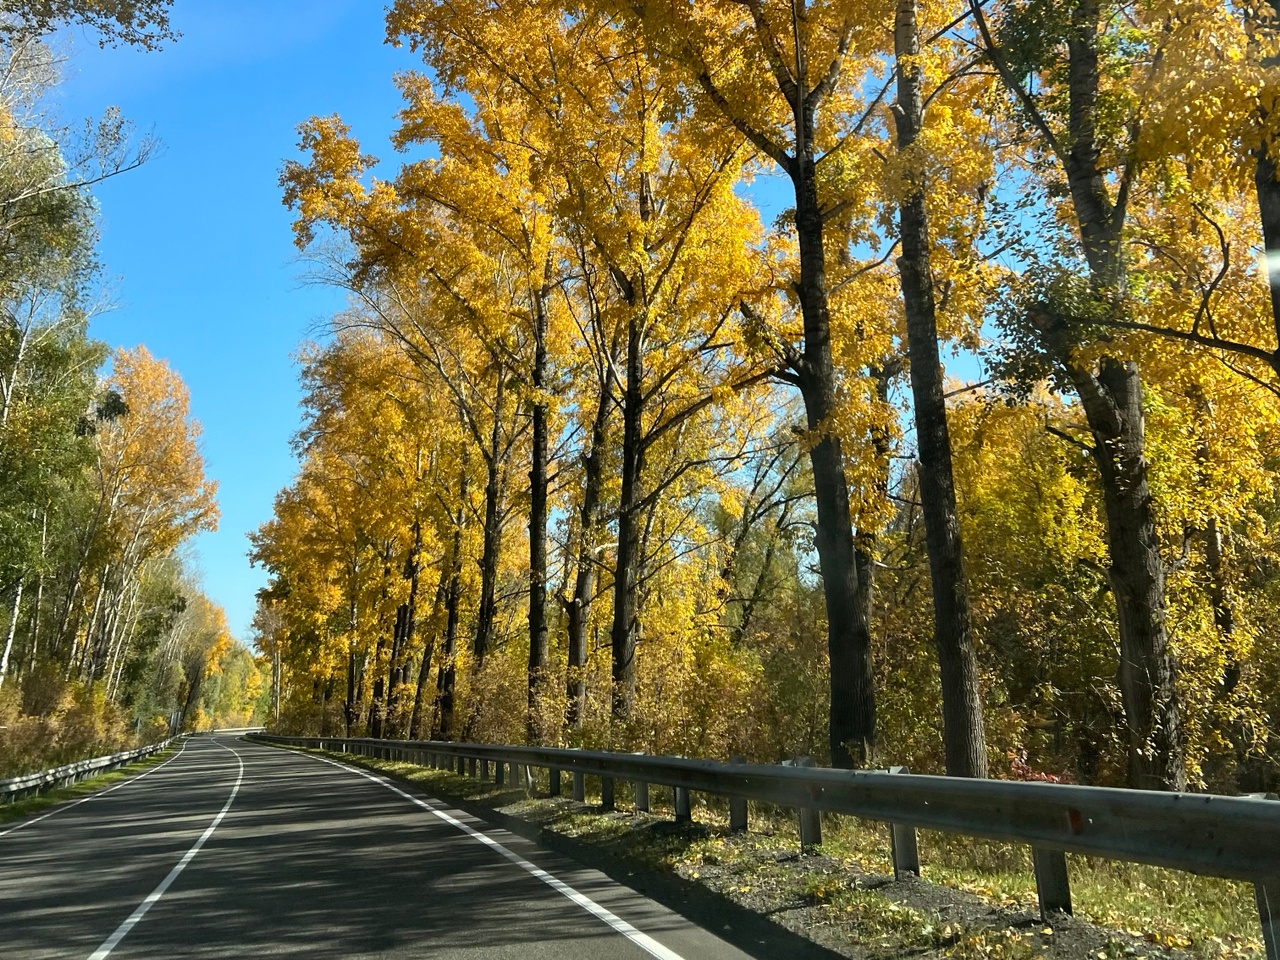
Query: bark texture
(584,582)
(627,569)
(443,725)
(853,711)
(539,651)
(492,539)
(963,735)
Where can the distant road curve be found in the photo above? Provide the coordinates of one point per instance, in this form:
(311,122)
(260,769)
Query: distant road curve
(235,850)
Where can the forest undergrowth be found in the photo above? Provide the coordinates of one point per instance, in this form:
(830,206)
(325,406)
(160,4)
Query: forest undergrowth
(69,722)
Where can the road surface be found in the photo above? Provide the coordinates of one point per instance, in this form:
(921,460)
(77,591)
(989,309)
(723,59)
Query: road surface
(234,850)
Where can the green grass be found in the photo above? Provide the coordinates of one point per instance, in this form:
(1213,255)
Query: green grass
(30,806)
(1209,917)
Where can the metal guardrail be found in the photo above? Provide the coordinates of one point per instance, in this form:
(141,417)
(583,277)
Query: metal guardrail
(1233,837)
(30,784)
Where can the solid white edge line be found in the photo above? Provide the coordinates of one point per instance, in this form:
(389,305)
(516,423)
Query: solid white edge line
(95,796)
(641,940)
(121,931)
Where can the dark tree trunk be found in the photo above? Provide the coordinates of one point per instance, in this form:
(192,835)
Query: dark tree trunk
(393,671)
(1112,404)
(963,736)
(377,700)
(453,597)
(488,609)
(1111,399)
(428,648)
(373,723)
(539,653)
(853,710)
(326,722)
(406,617)
(1223,615)
(1264,21)
(349,706)
(1269,210)
(584,583)
(626,572)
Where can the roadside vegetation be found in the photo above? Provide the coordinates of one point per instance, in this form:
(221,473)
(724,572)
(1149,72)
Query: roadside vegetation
(107,639)
(886,383)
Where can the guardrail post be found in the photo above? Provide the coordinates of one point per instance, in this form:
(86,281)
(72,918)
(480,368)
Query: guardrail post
(471,767)
(606,794)
(737,805)
(902,844)
(484,770)
(1267,894)
(553,781)
(642,796)
(681,801)
(1053,886)
(462,766)
(579,787)
(499,773)
(810,819)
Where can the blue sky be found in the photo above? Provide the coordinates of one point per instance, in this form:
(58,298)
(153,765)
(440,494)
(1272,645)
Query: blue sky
(198,240)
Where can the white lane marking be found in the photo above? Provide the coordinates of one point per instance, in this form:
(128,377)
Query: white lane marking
(112,941)
(95,796)
(641,940)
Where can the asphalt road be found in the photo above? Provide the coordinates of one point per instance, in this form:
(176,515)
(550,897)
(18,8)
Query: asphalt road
(236,850)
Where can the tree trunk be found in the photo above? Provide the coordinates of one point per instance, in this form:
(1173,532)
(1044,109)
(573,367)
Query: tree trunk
(11,632)
(963,736)
(487,612)
(853,712)
(1112,404)
(539,652)
(406,624)
(623,634)
(584,583)
(448,669)
(1111,400)
(1223,615)
(349,708)
(377,700)
(1269,209)
(428,648)
(373,721)
(33,639)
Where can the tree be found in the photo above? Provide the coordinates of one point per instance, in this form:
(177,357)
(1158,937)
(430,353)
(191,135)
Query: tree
(1080,90)
(143,23)
(963,732)
(735,55)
